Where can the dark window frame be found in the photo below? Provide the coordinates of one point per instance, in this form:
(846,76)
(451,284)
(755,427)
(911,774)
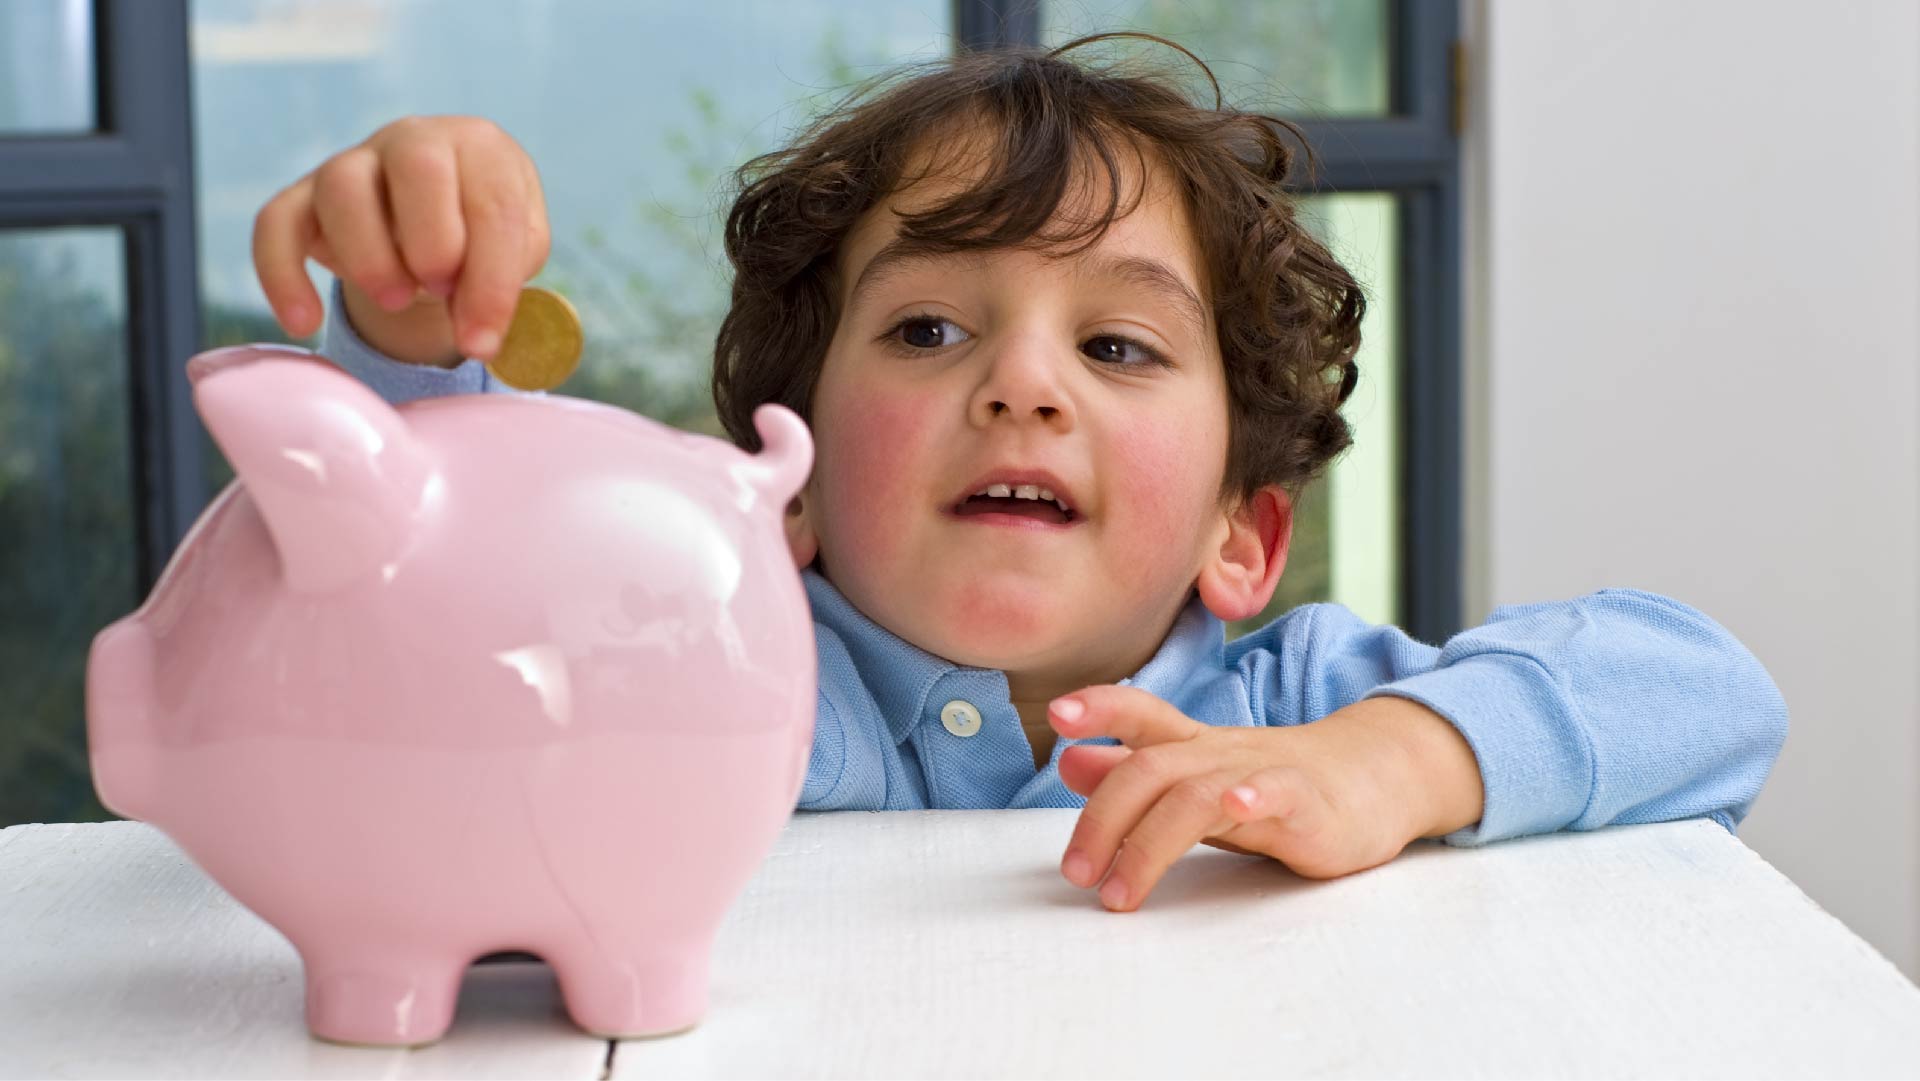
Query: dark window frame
(1413,154)
(134,172)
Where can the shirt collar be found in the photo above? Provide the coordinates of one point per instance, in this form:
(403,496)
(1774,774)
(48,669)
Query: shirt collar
(1193,652)
(899,674)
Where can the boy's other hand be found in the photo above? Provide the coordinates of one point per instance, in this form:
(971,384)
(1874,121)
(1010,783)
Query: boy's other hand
(432,225)
(1342,794)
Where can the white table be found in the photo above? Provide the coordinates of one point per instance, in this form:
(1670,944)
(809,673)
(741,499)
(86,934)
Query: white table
(945,944)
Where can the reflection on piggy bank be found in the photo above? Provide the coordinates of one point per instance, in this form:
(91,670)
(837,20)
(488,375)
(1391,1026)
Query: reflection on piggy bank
(478,673)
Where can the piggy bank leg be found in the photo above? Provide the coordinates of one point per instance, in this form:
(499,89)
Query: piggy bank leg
(659,991)
(383,999)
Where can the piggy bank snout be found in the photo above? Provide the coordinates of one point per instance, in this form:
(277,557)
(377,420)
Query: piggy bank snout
(120,735)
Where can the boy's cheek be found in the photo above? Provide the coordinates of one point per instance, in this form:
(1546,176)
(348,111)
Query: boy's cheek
(1158,469)
(873,474)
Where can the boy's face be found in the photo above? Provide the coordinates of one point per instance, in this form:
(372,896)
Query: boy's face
(1096,376)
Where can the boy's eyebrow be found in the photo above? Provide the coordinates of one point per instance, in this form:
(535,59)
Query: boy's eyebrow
(901,254)
(896,257)
(1156,277)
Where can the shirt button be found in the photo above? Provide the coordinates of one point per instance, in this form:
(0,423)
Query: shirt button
(960,717)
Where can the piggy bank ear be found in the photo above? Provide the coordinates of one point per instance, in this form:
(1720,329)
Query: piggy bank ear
(335,471)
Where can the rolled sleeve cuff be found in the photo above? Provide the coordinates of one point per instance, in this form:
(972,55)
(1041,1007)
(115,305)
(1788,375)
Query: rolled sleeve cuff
(394,380)
(1536,768)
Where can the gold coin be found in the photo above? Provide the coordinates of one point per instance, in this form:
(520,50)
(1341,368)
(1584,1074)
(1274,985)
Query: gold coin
(543,343)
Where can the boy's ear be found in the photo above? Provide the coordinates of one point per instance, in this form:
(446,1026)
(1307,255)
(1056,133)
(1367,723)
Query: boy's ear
(802,541)
(1239,577)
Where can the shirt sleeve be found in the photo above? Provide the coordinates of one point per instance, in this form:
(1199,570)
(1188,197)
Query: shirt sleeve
(395,380)
(1615,708)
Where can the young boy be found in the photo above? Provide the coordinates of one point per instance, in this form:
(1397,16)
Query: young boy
(1068,358)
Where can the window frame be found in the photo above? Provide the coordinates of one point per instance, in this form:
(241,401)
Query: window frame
(134,172)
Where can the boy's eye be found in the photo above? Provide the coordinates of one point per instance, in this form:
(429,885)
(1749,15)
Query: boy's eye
(1116,350)
(927,332)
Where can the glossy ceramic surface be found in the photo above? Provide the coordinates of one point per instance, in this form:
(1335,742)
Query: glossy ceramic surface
(478,673)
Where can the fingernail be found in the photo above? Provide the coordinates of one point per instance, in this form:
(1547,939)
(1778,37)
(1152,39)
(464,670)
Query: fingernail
(482,343)
(441,289)
(1078,868)
(1068,709)
(395,298)
(1246,795)
(297,315)
(1114,893)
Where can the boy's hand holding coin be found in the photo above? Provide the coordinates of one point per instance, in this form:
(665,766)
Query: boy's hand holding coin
(432,225)
(1342,794)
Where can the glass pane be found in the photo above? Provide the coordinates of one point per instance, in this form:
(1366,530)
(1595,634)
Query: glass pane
(66,506)
(46,67)
(1346,532)
(1295,57)
(634,113)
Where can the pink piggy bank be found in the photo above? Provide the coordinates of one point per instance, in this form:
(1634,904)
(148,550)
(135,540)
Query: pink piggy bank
(473,674)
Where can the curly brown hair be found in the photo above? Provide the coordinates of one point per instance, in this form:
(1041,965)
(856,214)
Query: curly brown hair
(1287,315)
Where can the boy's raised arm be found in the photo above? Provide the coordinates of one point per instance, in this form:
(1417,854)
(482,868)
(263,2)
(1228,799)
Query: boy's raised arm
(395,380)
(430,226)
(1614,708)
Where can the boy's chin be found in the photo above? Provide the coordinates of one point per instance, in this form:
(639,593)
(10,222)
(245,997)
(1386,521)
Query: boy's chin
(1007,628)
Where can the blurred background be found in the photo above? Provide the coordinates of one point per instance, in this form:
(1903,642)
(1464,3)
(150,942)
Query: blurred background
(1641,283)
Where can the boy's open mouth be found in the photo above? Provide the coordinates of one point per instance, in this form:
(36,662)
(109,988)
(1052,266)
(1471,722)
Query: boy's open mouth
(1025,501)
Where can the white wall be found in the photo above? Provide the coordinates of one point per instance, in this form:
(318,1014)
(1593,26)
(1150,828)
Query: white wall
(1693,278)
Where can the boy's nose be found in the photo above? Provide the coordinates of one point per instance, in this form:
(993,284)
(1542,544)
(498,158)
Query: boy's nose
(1021,408)
(1045,412)
(1021,386)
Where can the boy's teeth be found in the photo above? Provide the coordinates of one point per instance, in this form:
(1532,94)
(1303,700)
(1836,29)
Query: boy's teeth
(1024,491)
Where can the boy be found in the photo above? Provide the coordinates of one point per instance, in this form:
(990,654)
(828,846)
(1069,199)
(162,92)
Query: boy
(1068,359)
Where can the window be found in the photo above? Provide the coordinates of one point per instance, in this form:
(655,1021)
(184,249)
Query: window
(46,68)
(635,113)
(99,452)
(66,500)
(1314,58)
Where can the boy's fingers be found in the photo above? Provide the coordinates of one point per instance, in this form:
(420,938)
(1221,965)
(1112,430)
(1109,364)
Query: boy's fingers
(350,203)
(283,233)
(1289,819)
(1273,792)
(1124,797)
(539,233)
(496,214)
(1128,714)
(423,184)
(1084,766)
(1189,811)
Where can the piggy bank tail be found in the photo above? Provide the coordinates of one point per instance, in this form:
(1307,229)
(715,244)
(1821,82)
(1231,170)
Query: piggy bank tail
(780,470)
(120,732)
